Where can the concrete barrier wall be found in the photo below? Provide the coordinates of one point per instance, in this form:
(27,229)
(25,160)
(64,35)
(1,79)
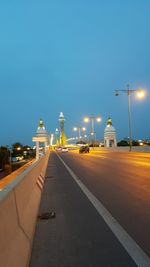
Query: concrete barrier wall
(19,204)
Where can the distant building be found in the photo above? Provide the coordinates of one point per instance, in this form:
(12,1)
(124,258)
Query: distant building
(41,137)
(63,140)
(110,135)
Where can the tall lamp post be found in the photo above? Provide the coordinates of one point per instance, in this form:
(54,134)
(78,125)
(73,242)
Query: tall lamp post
(92,119)
(79,129)
(128,92)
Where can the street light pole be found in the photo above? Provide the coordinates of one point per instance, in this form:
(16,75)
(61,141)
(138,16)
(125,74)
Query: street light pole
(92,119)
(129,92)
(129,115)
(92,122)
(92,132)
(79,129)
(79,133)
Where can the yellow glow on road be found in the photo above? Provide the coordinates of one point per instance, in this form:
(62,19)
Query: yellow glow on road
(136,160)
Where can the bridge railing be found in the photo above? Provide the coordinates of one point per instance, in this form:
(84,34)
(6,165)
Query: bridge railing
(19,205)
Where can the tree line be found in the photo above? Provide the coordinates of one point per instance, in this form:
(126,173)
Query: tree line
(15,153)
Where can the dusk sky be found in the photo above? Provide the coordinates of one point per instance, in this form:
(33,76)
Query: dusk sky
(70,56)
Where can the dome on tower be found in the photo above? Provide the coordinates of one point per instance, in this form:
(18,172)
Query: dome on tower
(41,131)
(61,115)
(109,128)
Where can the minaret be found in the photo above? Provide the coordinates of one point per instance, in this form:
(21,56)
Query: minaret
(62,132)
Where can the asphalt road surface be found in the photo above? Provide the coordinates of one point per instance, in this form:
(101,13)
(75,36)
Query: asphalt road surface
(102,205)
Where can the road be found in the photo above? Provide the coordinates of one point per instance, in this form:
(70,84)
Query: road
(78,236)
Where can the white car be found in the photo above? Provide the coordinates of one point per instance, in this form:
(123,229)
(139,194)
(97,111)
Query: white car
(64,149)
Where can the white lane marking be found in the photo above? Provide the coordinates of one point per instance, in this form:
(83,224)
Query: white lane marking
(133,249)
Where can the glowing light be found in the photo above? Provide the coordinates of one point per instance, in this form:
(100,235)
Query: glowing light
(75,128)
(141,144)
(98,119)
(140,93)
(86,119)
(83,129)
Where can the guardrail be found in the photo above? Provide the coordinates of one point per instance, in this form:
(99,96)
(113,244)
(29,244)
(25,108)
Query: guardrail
(19,205)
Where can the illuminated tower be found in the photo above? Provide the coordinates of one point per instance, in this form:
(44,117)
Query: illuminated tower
(41,137)
(63,140)
(110,135)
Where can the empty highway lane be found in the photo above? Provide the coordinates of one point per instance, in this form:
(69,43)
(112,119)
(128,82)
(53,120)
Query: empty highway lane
(102,205)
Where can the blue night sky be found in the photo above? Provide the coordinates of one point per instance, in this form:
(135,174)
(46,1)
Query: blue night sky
(70,56)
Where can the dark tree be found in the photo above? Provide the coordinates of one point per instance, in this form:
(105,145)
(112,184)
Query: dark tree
(17,149)
(4,156)
(123,143)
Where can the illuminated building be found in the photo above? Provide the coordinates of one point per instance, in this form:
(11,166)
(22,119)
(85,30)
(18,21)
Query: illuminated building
(110,135)
(41,137)
(63,140)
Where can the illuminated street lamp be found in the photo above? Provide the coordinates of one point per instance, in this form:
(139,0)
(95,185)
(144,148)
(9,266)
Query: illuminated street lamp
(79,129)
(86,119)
(140,94)
(92,119)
